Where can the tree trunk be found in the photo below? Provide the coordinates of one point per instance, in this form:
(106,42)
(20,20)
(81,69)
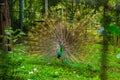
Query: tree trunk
(21,13)
(105,24)
(46,7)
(4,24)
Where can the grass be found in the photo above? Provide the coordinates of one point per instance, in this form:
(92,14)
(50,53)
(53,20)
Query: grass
(34,67)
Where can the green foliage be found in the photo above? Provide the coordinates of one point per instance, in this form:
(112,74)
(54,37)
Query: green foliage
(22,67)
(34,67)
(13,35)
(114,29)
(9,61)
(5,68)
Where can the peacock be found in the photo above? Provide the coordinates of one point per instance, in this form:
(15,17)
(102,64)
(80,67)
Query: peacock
(59,39)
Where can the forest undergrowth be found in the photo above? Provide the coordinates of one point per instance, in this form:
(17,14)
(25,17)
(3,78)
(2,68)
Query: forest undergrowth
(24,66)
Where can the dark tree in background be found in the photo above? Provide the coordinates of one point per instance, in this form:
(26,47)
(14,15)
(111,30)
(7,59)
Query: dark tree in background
(4,24)
(21,13)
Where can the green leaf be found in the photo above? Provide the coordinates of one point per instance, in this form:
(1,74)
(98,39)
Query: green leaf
(113,29)
(9,31)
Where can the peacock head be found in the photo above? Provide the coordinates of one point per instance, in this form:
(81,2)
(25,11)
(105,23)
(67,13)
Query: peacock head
(59,42)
